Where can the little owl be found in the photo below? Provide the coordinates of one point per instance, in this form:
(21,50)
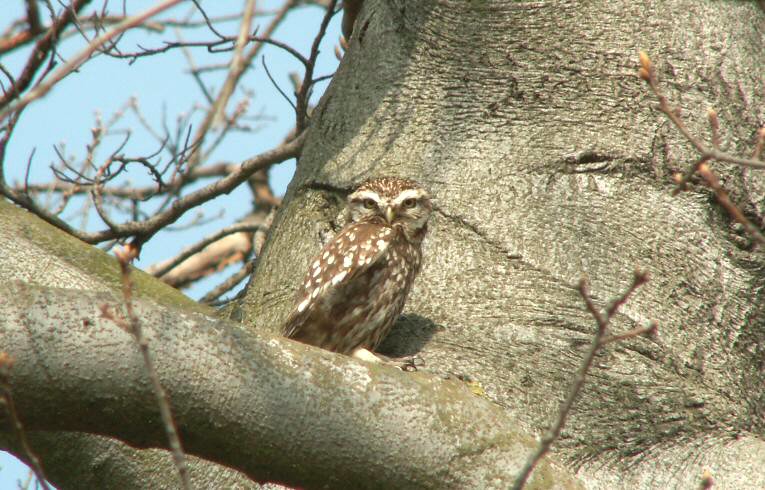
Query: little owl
(356,286)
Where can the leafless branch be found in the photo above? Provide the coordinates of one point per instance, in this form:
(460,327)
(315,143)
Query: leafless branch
(237,65)
(133,325)
(722,197)
(144,230)
(6,364)
(228,284)
(167,266)
(40,53)
(276,85)
(134,193)
(101,177)
(221,45)
(18,103)
(235,73)
(647,72)
(601,338)
(304,94)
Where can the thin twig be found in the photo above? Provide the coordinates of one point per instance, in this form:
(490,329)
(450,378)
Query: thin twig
(73,64)
(304,94)
(42,49)
(276,85)
(600,339)
(217,111)
(760,143)
(199,246)
(647,72)
(228,284)
(722,197)
(714,124)
(222,45)
(6,364)
(144,230)
(232,78)
(133,325)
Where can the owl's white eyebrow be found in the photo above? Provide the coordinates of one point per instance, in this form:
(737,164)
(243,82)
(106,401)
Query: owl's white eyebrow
(361,195)
(409,194)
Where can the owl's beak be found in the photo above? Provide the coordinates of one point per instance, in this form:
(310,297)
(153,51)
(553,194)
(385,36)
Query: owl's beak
(389,214)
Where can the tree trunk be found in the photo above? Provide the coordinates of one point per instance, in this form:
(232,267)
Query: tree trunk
(548,162)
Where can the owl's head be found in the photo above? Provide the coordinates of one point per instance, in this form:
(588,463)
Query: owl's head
(391,201)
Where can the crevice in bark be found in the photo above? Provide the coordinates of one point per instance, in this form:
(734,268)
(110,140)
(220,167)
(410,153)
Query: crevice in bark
(461,221)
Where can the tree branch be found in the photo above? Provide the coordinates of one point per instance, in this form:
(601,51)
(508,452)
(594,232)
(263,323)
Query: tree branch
(144,230)
(6,397)
(598,341)
(41,49)
(275,409)
(132,324)
(46,85)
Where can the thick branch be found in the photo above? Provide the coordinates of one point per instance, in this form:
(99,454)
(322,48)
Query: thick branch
(272,408)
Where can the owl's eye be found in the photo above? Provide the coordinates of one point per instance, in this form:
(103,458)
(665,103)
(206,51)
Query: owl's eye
(410,203)
(370,203)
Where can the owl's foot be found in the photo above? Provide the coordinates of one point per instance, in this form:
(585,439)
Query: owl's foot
(403,363)
(408,364)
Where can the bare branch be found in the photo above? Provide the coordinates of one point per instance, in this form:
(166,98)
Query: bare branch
(232,79)
(40,53)
(304,94)
(276,85)
(144,230)
(47,84)
(6,363)
(647,72)
(722,197)
(254,373)
(228,284)
(598,341)
(135,193)
(161,269)
(237,66)
(133,325)
(760,143)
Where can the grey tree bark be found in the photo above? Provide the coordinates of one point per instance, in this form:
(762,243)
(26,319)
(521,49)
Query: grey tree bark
(34,255)
(273,409)
(528,124)
(547,162)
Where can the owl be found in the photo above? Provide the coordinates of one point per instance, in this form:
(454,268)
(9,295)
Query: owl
(355,288)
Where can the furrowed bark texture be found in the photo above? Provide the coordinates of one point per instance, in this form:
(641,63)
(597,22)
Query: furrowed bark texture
(547,162)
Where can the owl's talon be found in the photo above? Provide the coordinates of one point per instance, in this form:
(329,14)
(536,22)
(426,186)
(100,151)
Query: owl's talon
(408,364)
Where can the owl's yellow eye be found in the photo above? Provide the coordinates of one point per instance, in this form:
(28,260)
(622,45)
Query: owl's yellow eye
(410,203)
(370,203)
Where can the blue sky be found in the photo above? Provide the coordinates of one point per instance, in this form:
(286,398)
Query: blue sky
(162,85)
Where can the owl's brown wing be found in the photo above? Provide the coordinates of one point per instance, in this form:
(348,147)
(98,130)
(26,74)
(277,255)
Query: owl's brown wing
(337,274)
